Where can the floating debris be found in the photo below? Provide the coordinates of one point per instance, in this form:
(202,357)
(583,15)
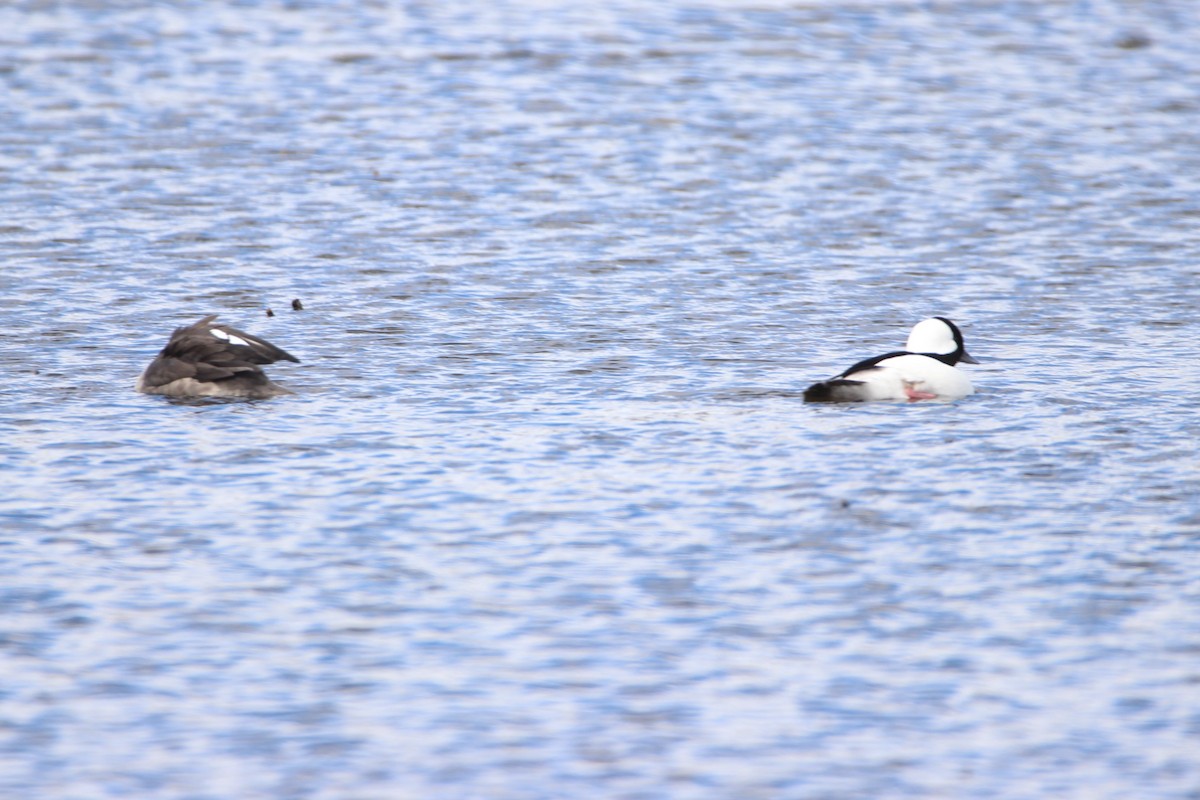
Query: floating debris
(1133,40)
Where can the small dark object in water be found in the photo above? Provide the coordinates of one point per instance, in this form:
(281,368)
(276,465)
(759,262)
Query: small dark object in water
(209,360)
(1133,40)
(297,305)
(270,313)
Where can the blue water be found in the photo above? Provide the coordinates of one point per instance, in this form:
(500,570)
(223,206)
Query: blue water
(547,516)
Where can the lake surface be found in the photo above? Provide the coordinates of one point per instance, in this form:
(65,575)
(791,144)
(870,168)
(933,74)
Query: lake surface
(547,516)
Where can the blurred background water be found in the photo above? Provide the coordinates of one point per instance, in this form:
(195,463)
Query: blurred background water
(547,517)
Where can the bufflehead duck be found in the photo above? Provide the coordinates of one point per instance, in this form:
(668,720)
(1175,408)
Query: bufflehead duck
(923,370)
(209,360)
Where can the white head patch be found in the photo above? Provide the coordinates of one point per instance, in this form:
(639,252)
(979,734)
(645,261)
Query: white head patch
(229,337)
(931,336)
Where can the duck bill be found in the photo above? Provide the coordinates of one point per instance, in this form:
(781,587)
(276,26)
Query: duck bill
(967,357)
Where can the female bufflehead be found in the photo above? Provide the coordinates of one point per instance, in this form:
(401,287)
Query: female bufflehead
(208,360)
(923,370)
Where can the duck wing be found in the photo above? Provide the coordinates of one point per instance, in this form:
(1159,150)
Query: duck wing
(871,363)
(208,352)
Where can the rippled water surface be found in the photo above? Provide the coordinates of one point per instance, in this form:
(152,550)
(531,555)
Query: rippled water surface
(547,516)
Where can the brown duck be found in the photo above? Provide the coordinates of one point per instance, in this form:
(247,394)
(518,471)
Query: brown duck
(210,360)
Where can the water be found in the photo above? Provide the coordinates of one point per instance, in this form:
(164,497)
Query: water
(547,517)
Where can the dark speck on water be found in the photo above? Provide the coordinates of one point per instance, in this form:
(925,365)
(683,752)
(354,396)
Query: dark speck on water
(548,516)
(1133,40)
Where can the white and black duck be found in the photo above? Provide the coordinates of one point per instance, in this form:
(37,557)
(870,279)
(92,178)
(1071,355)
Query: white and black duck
(924,370)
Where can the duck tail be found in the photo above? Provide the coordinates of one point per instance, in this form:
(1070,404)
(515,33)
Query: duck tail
(838,390)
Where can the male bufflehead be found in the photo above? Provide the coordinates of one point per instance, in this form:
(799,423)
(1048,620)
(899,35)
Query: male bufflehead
(208,360)
(923,370)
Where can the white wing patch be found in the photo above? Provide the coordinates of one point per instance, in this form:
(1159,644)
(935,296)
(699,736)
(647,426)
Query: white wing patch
(229,337)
